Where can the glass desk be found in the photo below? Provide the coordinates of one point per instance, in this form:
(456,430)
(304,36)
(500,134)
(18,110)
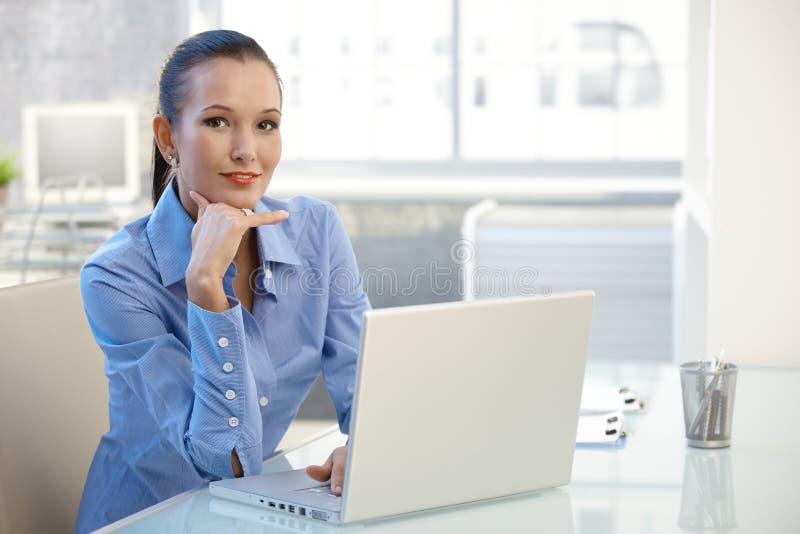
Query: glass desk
(655,484)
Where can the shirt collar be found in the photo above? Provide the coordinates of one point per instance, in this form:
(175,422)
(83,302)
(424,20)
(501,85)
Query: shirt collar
(273,244)
(169,230)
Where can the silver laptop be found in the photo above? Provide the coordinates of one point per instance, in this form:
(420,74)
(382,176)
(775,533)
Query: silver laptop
(454,403)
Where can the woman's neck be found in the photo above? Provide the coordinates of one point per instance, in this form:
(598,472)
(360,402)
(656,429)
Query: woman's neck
(247,254)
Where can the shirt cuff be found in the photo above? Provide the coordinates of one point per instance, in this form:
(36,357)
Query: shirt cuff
(225,415)
(251,459)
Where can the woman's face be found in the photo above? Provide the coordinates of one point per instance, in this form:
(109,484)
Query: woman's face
(227,138)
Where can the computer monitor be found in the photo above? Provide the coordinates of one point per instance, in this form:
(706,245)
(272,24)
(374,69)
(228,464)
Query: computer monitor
(75,149)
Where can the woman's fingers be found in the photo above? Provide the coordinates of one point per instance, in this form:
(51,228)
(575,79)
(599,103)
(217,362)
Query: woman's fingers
(266,217)
(337,477)
(332,469)
(256,219)
(321,472)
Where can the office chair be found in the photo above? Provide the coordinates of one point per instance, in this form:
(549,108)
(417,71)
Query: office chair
(54,399)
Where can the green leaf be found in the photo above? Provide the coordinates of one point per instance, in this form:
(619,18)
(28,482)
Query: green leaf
(8,171)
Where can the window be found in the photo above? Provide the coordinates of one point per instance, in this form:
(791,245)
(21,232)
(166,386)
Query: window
(520,86)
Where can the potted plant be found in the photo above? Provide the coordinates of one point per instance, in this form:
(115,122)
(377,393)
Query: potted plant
(8,171)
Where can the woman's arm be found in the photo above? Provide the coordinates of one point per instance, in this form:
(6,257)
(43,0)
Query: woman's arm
(216,239)
(182,390)
(347,303)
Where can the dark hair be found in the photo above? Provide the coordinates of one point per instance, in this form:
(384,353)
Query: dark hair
(173,83)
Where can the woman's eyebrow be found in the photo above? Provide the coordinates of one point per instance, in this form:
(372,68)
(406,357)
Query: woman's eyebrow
(226,108)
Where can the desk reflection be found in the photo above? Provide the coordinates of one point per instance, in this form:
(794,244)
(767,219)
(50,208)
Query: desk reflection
(707,500)
(547,511)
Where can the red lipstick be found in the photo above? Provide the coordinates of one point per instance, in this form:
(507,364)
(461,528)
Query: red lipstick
(241,177)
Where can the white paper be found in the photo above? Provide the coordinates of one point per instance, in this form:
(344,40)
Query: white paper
(604,399)
(600,428)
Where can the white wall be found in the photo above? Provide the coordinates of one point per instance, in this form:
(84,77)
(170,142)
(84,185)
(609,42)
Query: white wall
(754,262)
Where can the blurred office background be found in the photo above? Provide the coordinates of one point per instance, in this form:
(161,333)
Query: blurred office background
(474,148)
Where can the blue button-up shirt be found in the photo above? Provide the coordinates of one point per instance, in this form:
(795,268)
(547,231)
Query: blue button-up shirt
(188,386)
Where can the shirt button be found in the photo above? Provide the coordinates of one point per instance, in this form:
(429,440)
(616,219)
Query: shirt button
(263,401)
(234,422)
(230,394)
(227,367)
(222,342)
(268,273)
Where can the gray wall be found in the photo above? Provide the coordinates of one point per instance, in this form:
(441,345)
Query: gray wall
(59,51)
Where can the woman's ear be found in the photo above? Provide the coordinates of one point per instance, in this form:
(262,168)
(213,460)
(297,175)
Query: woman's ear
(162,133)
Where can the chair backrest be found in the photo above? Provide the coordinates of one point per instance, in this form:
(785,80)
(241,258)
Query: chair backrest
(623,253)
(53,405)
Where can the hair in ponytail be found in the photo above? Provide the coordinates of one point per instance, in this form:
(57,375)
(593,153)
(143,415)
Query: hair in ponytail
(161,172)
(173,85)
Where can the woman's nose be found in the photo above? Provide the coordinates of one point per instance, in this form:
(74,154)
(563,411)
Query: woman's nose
(243,148)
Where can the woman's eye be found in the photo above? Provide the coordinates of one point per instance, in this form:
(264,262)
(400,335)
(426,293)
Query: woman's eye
(215,122)
(267,125)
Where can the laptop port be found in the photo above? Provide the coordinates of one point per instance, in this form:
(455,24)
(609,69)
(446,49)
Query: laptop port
(272,504)
(282,506)
(316,514)
(291,508)
(302,510)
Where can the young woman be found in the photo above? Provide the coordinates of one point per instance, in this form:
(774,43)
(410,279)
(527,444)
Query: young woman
(218,310)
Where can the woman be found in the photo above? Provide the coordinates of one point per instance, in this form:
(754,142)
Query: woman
(218,310)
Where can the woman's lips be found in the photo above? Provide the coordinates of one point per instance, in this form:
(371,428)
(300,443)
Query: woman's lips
(241,178)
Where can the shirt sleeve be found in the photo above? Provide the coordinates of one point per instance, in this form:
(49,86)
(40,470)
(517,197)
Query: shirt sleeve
(347,303)
(202,398)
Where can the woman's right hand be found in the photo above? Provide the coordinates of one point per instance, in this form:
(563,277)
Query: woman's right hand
(216,237)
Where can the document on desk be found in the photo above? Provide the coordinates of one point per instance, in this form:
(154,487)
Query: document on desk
(601,430)
(604,399)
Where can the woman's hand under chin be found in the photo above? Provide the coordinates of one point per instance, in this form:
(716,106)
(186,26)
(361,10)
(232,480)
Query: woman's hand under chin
(216,237)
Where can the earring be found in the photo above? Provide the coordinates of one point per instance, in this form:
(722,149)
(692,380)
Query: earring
(173,161)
